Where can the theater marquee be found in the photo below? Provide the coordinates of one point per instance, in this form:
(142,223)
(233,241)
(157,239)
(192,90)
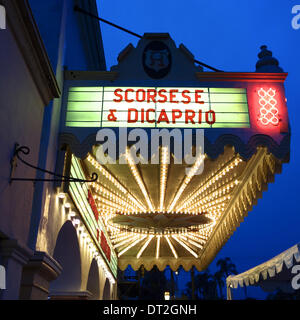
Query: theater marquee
(157,107)
(146,214)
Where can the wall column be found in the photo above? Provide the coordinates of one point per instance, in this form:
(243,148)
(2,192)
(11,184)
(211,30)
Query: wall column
(13,256)
(71,295)
(37,275)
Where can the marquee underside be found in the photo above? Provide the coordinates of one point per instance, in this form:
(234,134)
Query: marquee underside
(160,215)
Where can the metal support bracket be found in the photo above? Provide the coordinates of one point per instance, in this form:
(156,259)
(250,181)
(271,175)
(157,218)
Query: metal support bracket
(58,178)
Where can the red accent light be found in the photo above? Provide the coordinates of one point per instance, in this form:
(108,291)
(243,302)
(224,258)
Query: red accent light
(93,205)
(268,107)
(105,247)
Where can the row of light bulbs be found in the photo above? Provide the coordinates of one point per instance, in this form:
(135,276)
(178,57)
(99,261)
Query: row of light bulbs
(184,237)
(141,231)
(204,204)
(187,179)
(114,181)
(210,181)
(138,178)
(210,199)
(185,245)
(113,205)
(81,229)
(107,175)
(163,176)
(186,241)
(157,212)
(213,193)
(214,202)
(115,197)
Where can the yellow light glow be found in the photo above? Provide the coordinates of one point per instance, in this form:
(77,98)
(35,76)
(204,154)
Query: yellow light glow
(157,246)
(187,179)
(138,179)
(171,247)
(185,246)
(128,239)
(131,245)
(144,246)
(163,176)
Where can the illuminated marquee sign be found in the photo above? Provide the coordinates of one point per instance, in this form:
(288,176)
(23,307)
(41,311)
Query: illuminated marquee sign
(105,246)
(85,203)
(103,242)
(157,107)
(268,107)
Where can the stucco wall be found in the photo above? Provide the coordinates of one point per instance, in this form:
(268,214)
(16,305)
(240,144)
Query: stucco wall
(21,120)
(54,217)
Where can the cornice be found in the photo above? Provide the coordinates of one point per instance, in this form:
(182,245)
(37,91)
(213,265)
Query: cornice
(241,76)
(21,22)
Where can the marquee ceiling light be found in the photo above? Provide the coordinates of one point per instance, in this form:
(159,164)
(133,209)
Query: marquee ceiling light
(116,183)
(187,179)
(196,244)
(211,194)
(158,223)
(138,178)
(131,245)
(185,246)
(203,189)
(98,166)
(210,208)
(119,236)
(118,198)
(109,203)
(209,199)
(171,247)
(163,175)
(210,181)
(157,246)
(128,239)
(198,237)
(144,246)
(207,195)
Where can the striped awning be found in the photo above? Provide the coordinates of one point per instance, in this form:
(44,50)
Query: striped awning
(276,273)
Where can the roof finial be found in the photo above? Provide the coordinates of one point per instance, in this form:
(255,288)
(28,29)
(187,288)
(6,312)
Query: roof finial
(266,62)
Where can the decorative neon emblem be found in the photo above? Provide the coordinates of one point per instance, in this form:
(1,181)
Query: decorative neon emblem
(268,110)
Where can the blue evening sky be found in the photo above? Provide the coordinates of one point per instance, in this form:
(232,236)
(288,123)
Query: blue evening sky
(228,35)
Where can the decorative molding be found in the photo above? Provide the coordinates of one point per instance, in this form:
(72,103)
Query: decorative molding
(213,150)
(70,295)
(91,75)
(259,172)
(13,249)
(161,263)
(241,76)
(37,275)
(280,151)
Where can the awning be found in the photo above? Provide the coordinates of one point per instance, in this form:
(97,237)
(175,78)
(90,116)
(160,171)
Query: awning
(163,213)
(276,273)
